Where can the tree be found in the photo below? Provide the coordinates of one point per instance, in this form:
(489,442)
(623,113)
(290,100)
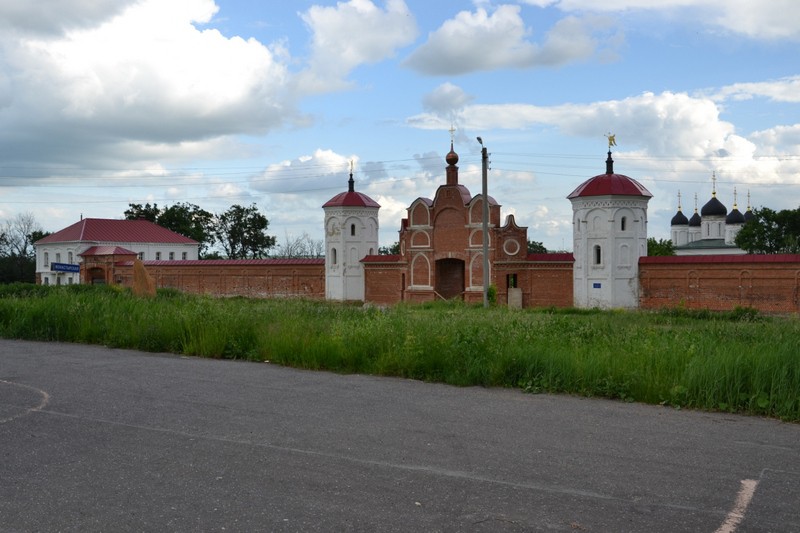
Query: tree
(17,255)
(241,231)
(771,232)
(535,247)
(393,249)
(302,246)
(190,221)
(187,219)
(146,212)
(660,247)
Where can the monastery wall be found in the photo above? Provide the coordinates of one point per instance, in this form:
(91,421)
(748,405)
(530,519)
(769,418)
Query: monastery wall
(769,283)
(252,278)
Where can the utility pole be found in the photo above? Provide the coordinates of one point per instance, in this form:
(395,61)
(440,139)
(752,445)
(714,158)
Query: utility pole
(485,195)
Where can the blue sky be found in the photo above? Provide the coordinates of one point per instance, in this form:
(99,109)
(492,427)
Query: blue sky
(112,102)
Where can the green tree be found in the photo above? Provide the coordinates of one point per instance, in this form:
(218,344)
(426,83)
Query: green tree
(146,212)
(536,247)
(241,232)
(17,254)
(190,221)
(660,247)
(771,232)
(393,249)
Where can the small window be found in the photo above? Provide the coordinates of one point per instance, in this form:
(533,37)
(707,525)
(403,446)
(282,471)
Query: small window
(511,280)
(623,224)
(158,256)
(141,256)
(172,256)
(69,258)
(352,230)
(598,255)
(46,261)
(58,258)
(183,256)
(69,280)
(46,281)
(333,256)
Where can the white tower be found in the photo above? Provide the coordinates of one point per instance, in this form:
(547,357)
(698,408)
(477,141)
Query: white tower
(609,216)
(351,233)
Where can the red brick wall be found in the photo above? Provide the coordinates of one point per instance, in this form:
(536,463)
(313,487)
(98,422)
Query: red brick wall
(543,284)
(768,283)
(254,280)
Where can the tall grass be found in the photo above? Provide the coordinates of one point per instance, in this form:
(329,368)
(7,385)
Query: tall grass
(738,362)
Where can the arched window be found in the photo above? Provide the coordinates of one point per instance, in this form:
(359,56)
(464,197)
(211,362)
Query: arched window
(352,230)
(46,260)
(623,223)
(69,258)
(333,256)
(598,254)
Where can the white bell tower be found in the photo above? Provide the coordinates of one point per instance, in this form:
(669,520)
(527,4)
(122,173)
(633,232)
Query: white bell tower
(351,233)
(609,216)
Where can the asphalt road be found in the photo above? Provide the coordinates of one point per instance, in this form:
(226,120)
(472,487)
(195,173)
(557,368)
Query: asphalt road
(94,439)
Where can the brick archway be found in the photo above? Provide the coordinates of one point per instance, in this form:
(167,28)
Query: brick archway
(450,278)
(96,276)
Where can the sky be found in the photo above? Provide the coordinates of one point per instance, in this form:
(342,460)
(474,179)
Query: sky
(104,103)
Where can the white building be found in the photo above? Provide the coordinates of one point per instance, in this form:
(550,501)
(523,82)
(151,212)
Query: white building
(58,256)
(351,233)
(609,236)
(712,231)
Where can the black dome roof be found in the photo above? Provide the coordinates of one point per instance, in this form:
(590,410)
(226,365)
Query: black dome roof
(735,217)
(679,219)
(749,215)
(695,221)
(714,208)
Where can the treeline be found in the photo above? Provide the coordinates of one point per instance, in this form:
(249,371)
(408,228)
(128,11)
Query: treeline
(238,233)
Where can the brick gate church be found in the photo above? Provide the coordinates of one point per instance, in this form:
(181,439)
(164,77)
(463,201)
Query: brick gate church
(441,256)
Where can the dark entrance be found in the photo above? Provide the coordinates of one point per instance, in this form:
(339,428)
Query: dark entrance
(450,278)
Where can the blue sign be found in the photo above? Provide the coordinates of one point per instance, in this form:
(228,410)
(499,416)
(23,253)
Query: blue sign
(64,267)
(597,285)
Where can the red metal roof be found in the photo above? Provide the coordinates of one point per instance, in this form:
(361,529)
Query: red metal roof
(112,230)
(739,258)
(607,184)
(383,259)
(351,199)
(106,250)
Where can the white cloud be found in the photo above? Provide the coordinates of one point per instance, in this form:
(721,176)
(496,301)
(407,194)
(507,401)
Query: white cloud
(145,78)
(351,34)
(479,41)
(781,90)
(778,19)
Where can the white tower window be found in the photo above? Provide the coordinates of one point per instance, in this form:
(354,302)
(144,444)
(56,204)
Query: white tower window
(352,230)
(623,223)
(598,254)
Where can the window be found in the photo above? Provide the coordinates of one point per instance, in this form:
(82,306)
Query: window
(58,257)
(46,280)
(333,256)
(183,256)
(141,256)
(158,256)
(352,230)
(623,223)
(46,261)
(172,256)
(69,280)
(598,255)
(69,258)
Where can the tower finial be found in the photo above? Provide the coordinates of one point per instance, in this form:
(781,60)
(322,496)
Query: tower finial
(612,140)
(695,202)
(714,183)
(679,199)
(734,199)
(351,184)
(452,135)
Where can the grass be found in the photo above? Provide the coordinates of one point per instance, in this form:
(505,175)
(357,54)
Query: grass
(739,362)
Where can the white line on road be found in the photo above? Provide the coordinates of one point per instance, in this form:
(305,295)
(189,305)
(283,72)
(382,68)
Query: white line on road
(45,399)
(736,515)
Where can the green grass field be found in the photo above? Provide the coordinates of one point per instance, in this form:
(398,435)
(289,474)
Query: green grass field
(739,362)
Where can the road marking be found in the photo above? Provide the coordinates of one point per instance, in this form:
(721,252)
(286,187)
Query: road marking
(736,515)
(42,404)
